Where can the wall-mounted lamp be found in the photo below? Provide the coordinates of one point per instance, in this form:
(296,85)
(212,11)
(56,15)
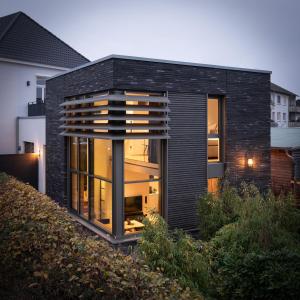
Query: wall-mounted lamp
(250,162)
(28,83)
(38,152)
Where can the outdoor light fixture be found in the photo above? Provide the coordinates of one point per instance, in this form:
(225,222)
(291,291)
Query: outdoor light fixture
(250,162)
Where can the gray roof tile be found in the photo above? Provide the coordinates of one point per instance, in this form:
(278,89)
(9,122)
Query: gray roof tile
(21,38)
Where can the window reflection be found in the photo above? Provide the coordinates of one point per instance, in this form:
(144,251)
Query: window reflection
(83,154)
(101,213)
(140,200)
(213,116)
(213,129)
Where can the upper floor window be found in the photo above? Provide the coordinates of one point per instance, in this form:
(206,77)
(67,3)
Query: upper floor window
(278,116)
(40,89)
(278,99)
(284,101)
(213,129)
(273,115)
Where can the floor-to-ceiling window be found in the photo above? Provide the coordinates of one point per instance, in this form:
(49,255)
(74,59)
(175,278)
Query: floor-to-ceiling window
(115,146)
(101,202)
(91,182)
(142,181)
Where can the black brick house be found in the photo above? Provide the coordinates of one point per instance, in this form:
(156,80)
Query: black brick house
(127,136)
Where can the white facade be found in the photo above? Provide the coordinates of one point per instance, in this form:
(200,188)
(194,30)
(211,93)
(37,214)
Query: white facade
(17,88)
(280,109)
(33,129)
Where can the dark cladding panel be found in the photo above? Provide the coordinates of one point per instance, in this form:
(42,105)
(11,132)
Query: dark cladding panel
(187,157)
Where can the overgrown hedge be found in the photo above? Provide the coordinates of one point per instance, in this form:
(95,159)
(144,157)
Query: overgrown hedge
(252,247)
(45,255)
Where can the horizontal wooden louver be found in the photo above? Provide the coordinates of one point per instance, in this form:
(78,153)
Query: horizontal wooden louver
(116,116)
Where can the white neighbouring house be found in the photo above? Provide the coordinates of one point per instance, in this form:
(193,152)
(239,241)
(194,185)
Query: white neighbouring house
(29,54)
(282,102)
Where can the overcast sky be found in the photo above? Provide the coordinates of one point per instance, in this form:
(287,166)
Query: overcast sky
(260,34)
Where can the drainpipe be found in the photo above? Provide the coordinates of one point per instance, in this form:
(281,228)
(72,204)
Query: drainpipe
(17,135)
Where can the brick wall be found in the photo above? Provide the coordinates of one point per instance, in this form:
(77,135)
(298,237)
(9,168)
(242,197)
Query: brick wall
(246,123)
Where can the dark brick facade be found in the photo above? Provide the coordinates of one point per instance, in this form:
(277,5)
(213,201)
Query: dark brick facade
(246,123)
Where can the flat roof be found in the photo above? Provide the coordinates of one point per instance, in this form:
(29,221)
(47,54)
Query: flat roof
(285,138)
(173,62)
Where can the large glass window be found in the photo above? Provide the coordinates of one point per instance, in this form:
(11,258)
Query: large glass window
(91,187)
(101,202)
(83,154)
(101,212)
(74,153)
(91,181)
(83,196)
(103,158)
(213,129)
(142,160)
(74,191)
(142,182)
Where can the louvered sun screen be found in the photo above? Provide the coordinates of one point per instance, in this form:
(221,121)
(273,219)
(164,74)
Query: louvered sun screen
(116,116)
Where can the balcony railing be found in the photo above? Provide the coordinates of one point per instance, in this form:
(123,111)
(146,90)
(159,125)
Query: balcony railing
(294,124)
(36,108)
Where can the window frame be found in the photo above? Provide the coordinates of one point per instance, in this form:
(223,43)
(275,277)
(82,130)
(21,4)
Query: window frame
(42,87)
(220,134)
(278,100)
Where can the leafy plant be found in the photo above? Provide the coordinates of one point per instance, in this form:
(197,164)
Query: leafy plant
(217,210)
(174,253)
(257,256)
(46,255)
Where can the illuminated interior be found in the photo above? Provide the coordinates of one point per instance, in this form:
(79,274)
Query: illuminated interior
(213,185)
(142,182)
(101,202)
(213,131)
(109,133)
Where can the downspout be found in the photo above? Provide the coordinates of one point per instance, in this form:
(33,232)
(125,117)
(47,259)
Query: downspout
(17,134)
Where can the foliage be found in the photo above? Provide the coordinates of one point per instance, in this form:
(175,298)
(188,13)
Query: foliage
(3,177)
(258,255)
(46,255)
(217,210)
(252,249)
(174,253)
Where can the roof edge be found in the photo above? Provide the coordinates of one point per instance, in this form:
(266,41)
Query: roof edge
(12,22)
(173,62)
(21,12)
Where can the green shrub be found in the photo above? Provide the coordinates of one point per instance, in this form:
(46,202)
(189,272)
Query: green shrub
(238,273)
(174,253)
(217,210)
(3,177)
(258,255)
(46,255)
